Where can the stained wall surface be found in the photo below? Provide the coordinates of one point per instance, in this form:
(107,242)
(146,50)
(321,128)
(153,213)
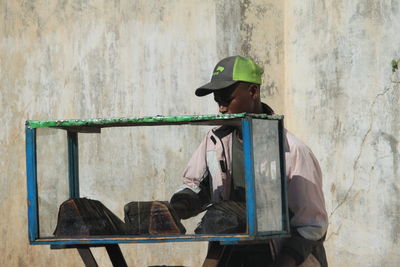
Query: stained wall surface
(342,99)
(99,58)
(327,69)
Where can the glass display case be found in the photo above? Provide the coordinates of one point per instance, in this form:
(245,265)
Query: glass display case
(109,181)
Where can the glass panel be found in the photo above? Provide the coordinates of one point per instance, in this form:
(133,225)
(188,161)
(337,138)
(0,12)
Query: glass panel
(52,176)
(267,175)
(127,176)
(134,171)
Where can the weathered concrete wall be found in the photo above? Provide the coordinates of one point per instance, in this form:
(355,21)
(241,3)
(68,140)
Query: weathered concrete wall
(332,80)
(100,58)
(329,73)
(343,100)
(262,39)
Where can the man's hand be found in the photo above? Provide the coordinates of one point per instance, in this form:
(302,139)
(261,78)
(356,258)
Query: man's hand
(185,203)
(285,260)
(180,208)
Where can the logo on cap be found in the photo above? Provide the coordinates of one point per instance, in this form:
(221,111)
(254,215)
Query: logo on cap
(218,70)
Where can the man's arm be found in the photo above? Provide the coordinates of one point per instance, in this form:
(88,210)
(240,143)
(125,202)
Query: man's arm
(187,203)
(308,218)
(192,196)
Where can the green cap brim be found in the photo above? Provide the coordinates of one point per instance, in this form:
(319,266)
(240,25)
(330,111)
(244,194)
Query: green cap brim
(213,86)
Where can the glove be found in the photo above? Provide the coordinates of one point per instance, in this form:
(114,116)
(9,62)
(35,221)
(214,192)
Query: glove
(181,208)
(185,203)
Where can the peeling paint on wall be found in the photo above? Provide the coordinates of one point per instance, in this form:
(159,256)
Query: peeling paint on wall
(100,58)
(262,39)
(341,100)
(326,68)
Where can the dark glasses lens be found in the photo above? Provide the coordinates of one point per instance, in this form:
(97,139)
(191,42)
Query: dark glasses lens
(224,97)
(223,102)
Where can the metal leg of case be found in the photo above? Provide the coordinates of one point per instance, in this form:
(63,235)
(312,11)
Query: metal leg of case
(113,251)
(87,256)
(214,254)
(115,254)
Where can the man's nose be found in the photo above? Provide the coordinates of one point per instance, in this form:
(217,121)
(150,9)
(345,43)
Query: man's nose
(223,109)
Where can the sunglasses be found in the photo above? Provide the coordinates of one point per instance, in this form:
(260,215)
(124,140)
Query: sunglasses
(224,96)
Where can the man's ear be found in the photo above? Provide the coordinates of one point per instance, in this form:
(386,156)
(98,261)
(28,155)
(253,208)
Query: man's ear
(254,90)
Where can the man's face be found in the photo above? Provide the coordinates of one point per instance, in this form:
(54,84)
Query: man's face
(238,98)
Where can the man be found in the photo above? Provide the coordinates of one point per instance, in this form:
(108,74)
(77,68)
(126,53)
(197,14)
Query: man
(235,84)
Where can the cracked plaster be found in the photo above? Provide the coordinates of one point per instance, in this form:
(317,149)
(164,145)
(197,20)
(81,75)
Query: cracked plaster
(100,58)
(343,100)
(327,70)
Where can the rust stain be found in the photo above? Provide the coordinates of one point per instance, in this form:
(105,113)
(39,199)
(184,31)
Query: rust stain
(333,188)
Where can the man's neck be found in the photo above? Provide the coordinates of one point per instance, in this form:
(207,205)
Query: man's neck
(258,109)
(266,109)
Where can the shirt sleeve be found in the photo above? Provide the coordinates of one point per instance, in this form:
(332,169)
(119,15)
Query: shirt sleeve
(305,196)
(196,169)
(193,194)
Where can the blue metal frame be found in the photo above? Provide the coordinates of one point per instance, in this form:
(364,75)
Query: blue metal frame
(99,240)
(73,164)
(31,175)
(144,239)
(285,209)
(73,159)
(249,175)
